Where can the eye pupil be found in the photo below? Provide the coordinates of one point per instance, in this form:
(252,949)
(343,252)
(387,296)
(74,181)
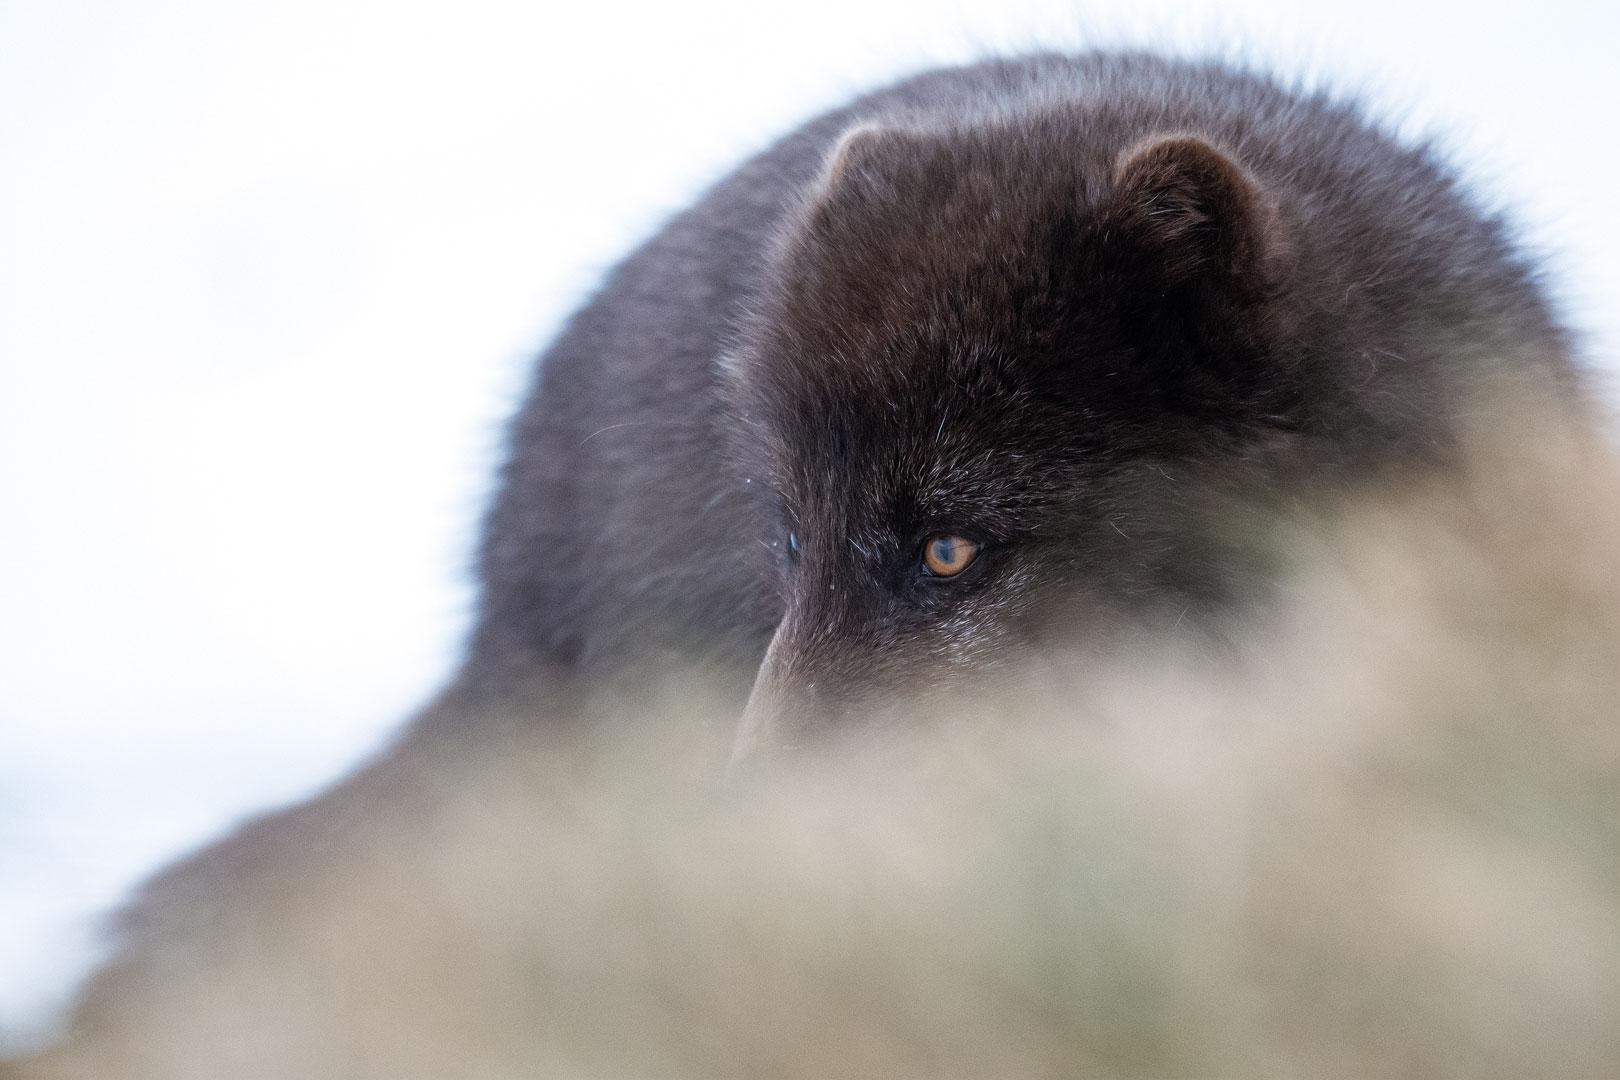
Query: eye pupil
(947,556)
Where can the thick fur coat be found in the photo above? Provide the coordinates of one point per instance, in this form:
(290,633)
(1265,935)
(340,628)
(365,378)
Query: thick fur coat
(1159,511)
(1081,311)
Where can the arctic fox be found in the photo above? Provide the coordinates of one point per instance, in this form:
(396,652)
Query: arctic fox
(1015,383)
(997,354)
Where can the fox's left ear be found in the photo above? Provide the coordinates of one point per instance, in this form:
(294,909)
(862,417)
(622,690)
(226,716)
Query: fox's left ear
(1186,213)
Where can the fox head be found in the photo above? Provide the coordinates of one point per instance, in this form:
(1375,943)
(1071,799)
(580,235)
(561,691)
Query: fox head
(992,401)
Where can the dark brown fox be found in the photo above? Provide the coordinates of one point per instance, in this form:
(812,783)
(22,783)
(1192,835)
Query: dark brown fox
(1061,317)
(1031,356)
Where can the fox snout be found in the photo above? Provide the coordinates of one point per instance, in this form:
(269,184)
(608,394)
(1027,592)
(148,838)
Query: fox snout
(795,693)
(822,681)
(819,677)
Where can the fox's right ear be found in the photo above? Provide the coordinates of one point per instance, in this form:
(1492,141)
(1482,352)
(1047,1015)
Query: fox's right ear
(1182,258)
(1191,213)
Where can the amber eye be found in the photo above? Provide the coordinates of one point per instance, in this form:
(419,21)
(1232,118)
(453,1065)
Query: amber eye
(947,556)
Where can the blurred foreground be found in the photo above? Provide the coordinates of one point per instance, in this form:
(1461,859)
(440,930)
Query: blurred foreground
(1382,840)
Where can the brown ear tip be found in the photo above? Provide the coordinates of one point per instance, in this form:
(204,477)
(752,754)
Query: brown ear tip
(853,148)
(1183,194)
(1168,147)
(1184,159)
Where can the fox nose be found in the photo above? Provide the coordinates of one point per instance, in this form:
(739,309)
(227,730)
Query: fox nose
(773,717)
(783,708)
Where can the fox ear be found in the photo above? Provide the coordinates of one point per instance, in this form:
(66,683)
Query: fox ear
(1191,213)
(867,165)
(1186,254)
(853,156)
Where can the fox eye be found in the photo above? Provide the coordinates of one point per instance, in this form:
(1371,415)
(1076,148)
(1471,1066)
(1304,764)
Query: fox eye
(947,556)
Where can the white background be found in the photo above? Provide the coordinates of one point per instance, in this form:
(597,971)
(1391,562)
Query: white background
(271,275)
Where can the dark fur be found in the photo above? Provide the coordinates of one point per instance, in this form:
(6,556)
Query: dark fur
(1076,308)
(1100,314)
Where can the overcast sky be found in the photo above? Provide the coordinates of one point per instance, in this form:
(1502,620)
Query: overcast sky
(271,275)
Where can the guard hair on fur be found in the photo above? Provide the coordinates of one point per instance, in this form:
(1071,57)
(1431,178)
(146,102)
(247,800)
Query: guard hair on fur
(1072,566)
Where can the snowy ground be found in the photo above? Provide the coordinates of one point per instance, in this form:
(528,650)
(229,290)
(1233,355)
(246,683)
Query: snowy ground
(270,276)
